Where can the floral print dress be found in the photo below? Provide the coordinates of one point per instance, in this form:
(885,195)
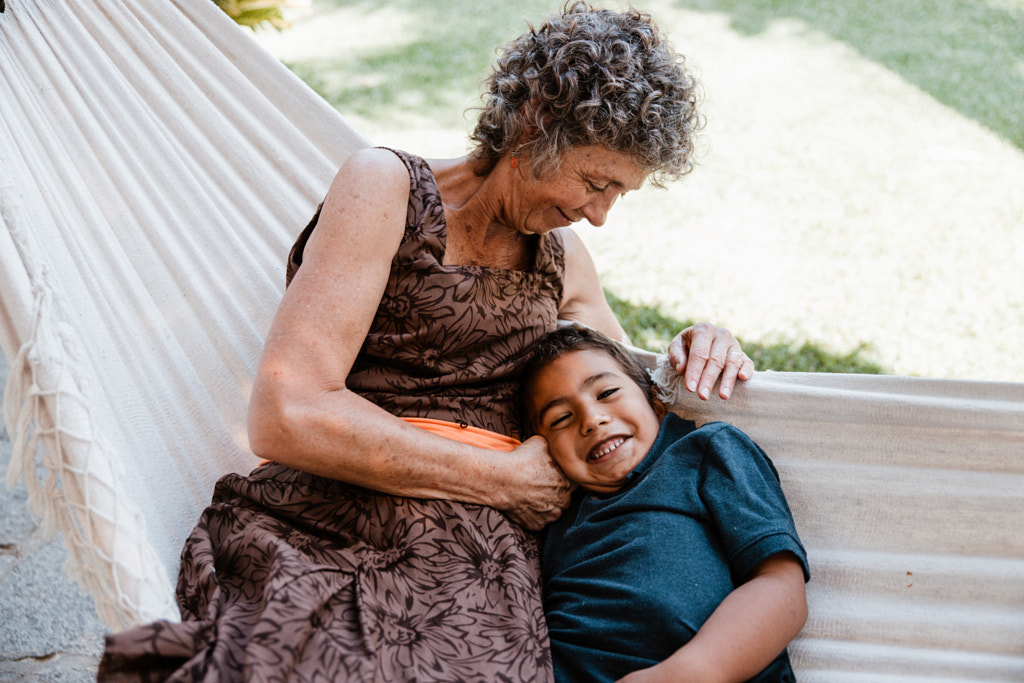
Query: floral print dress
(293,577)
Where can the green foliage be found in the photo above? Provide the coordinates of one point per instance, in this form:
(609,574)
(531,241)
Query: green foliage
(253,13)
(651,329)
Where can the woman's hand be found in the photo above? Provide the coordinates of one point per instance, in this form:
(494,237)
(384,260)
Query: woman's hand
(537,491)
(705,354)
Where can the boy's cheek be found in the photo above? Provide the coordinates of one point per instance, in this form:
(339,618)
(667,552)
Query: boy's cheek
(562,454)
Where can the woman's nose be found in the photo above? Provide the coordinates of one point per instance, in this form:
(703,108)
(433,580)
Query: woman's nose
(596,210)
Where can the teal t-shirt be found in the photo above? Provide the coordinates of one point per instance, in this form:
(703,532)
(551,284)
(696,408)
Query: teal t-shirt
(631,576)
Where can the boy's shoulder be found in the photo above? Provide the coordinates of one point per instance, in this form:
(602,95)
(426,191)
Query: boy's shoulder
(717,439)
(675,427)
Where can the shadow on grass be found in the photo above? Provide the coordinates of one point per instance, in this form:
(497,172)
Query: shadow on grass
(649,328)
(966,53)
(434,67)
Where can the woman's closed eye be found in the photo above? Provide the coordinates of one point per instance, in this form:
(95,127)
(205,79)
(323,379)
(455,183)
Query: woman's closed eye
(607,393)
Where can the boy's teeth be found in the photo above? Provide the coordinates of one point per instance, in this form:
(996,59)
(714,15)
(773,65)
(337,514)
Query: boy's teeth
(608,449)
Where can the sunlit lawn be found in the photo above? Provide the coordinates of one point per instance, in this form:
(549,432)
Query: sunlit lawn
(423,61)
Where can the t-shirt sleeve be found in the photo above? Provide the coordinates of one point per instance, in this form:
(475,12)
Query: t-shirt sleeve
(741,490)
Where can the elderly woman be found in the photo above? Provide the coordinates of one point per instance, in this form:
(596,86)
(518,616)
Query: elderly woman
(387,539)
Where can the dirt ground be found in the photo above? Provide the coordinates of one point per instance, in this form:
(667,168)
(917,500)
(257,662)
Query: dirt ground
(833,202)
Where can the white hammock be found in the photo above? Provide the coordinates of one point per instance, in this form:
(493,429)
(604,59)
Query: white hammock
(155,165)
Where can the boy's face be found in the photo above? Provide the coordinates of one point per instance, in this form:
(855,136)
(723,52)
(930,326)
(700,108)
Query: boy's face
(598,423)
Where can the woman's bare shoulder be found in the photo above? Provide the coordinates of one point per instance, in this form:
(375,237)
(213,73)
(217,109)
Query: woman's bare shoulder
(363,216)
(583,299)
(374,167)
(577,257)
(370,189)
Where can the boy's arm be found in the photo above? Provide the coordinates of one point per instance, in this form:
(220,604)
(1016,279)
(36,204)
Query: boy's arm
(745,633)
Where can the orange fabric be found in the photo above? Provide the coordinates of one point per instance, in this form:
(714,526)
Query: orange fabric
(474,436)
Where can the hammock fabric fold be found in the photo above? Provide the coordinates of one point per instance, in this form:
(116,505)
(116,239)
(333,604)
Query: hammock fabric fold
(155,166)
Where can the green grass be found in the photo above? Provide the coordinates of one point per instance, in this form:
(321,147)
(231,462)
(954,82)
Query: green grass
(967,54)
(651,329)
(437,75)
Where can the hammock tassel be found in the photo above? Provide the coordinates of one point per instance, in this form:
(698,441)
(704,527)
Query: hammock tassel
(47,403)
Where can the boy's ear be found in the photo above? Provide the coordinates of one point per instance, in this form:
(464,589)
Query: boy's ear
(660,409)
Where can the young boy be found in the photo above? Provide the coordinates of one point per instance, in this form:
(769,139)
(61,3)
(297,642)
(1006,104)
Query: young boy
(678,559)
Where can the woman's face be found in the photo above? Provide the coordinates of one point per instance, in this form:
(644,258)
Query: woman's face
(590,180)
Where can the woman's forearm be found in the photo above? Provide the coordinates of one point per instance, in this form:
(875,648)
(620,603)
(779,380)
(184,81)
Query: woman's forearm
(340,435)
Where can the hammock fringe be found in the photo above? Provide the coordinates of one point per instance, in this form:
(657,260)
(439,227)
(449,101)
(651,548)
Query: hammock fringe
(81,495)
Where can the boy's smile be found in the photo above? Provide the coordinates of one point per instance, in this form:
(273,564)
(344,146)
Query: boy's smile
(597,421)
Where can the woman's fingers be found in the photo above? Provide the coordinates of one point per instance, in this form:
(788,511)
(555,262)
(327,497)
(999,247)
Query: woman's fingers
(737,366)
(705,354)
(535,520)
(546,491)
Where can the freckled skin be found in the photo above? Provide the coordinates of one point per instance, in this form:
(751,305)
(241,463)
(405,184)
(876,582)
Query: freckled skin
(591,179)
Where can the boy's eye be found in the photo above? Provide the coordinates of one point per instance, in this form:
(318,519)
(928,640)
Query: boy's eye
(559,420)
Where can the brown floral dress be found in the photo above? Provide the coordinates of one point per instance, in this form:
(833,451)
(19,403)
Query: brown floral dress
(293,577)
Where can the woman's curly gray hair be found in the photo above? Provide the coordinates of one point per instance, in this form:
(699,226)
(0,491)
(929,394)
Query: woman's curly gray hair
(590,77)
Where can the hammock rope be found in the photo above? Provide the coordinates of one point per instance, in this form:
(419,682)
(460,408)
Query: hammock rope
(146,205)
(47,399)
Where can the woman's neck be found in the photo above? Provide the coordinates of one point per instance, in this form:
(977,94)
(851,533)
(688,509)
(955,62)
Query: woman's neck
(472,208)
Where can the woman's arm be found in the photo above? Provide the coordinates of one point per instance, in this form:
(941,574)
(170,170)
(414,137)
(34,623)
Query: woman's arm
(302,415)
(703,353)
(745,633)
